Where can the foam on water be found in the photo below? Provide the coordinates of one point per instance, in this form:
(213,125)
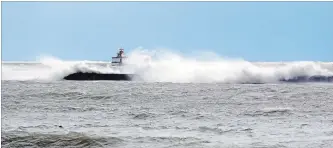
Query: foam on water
(166,66)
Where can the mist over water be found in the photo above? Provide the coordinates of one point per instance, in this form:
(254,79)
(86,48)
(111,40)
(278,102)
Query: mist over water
(167,66)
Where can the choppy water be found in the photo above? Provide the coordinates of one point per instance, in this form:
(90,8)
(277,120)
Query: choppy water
(140,114)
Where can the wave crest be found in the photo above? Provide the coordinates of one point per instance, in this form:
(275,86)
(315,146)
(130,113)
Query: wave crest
(164,66)
(72,139)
